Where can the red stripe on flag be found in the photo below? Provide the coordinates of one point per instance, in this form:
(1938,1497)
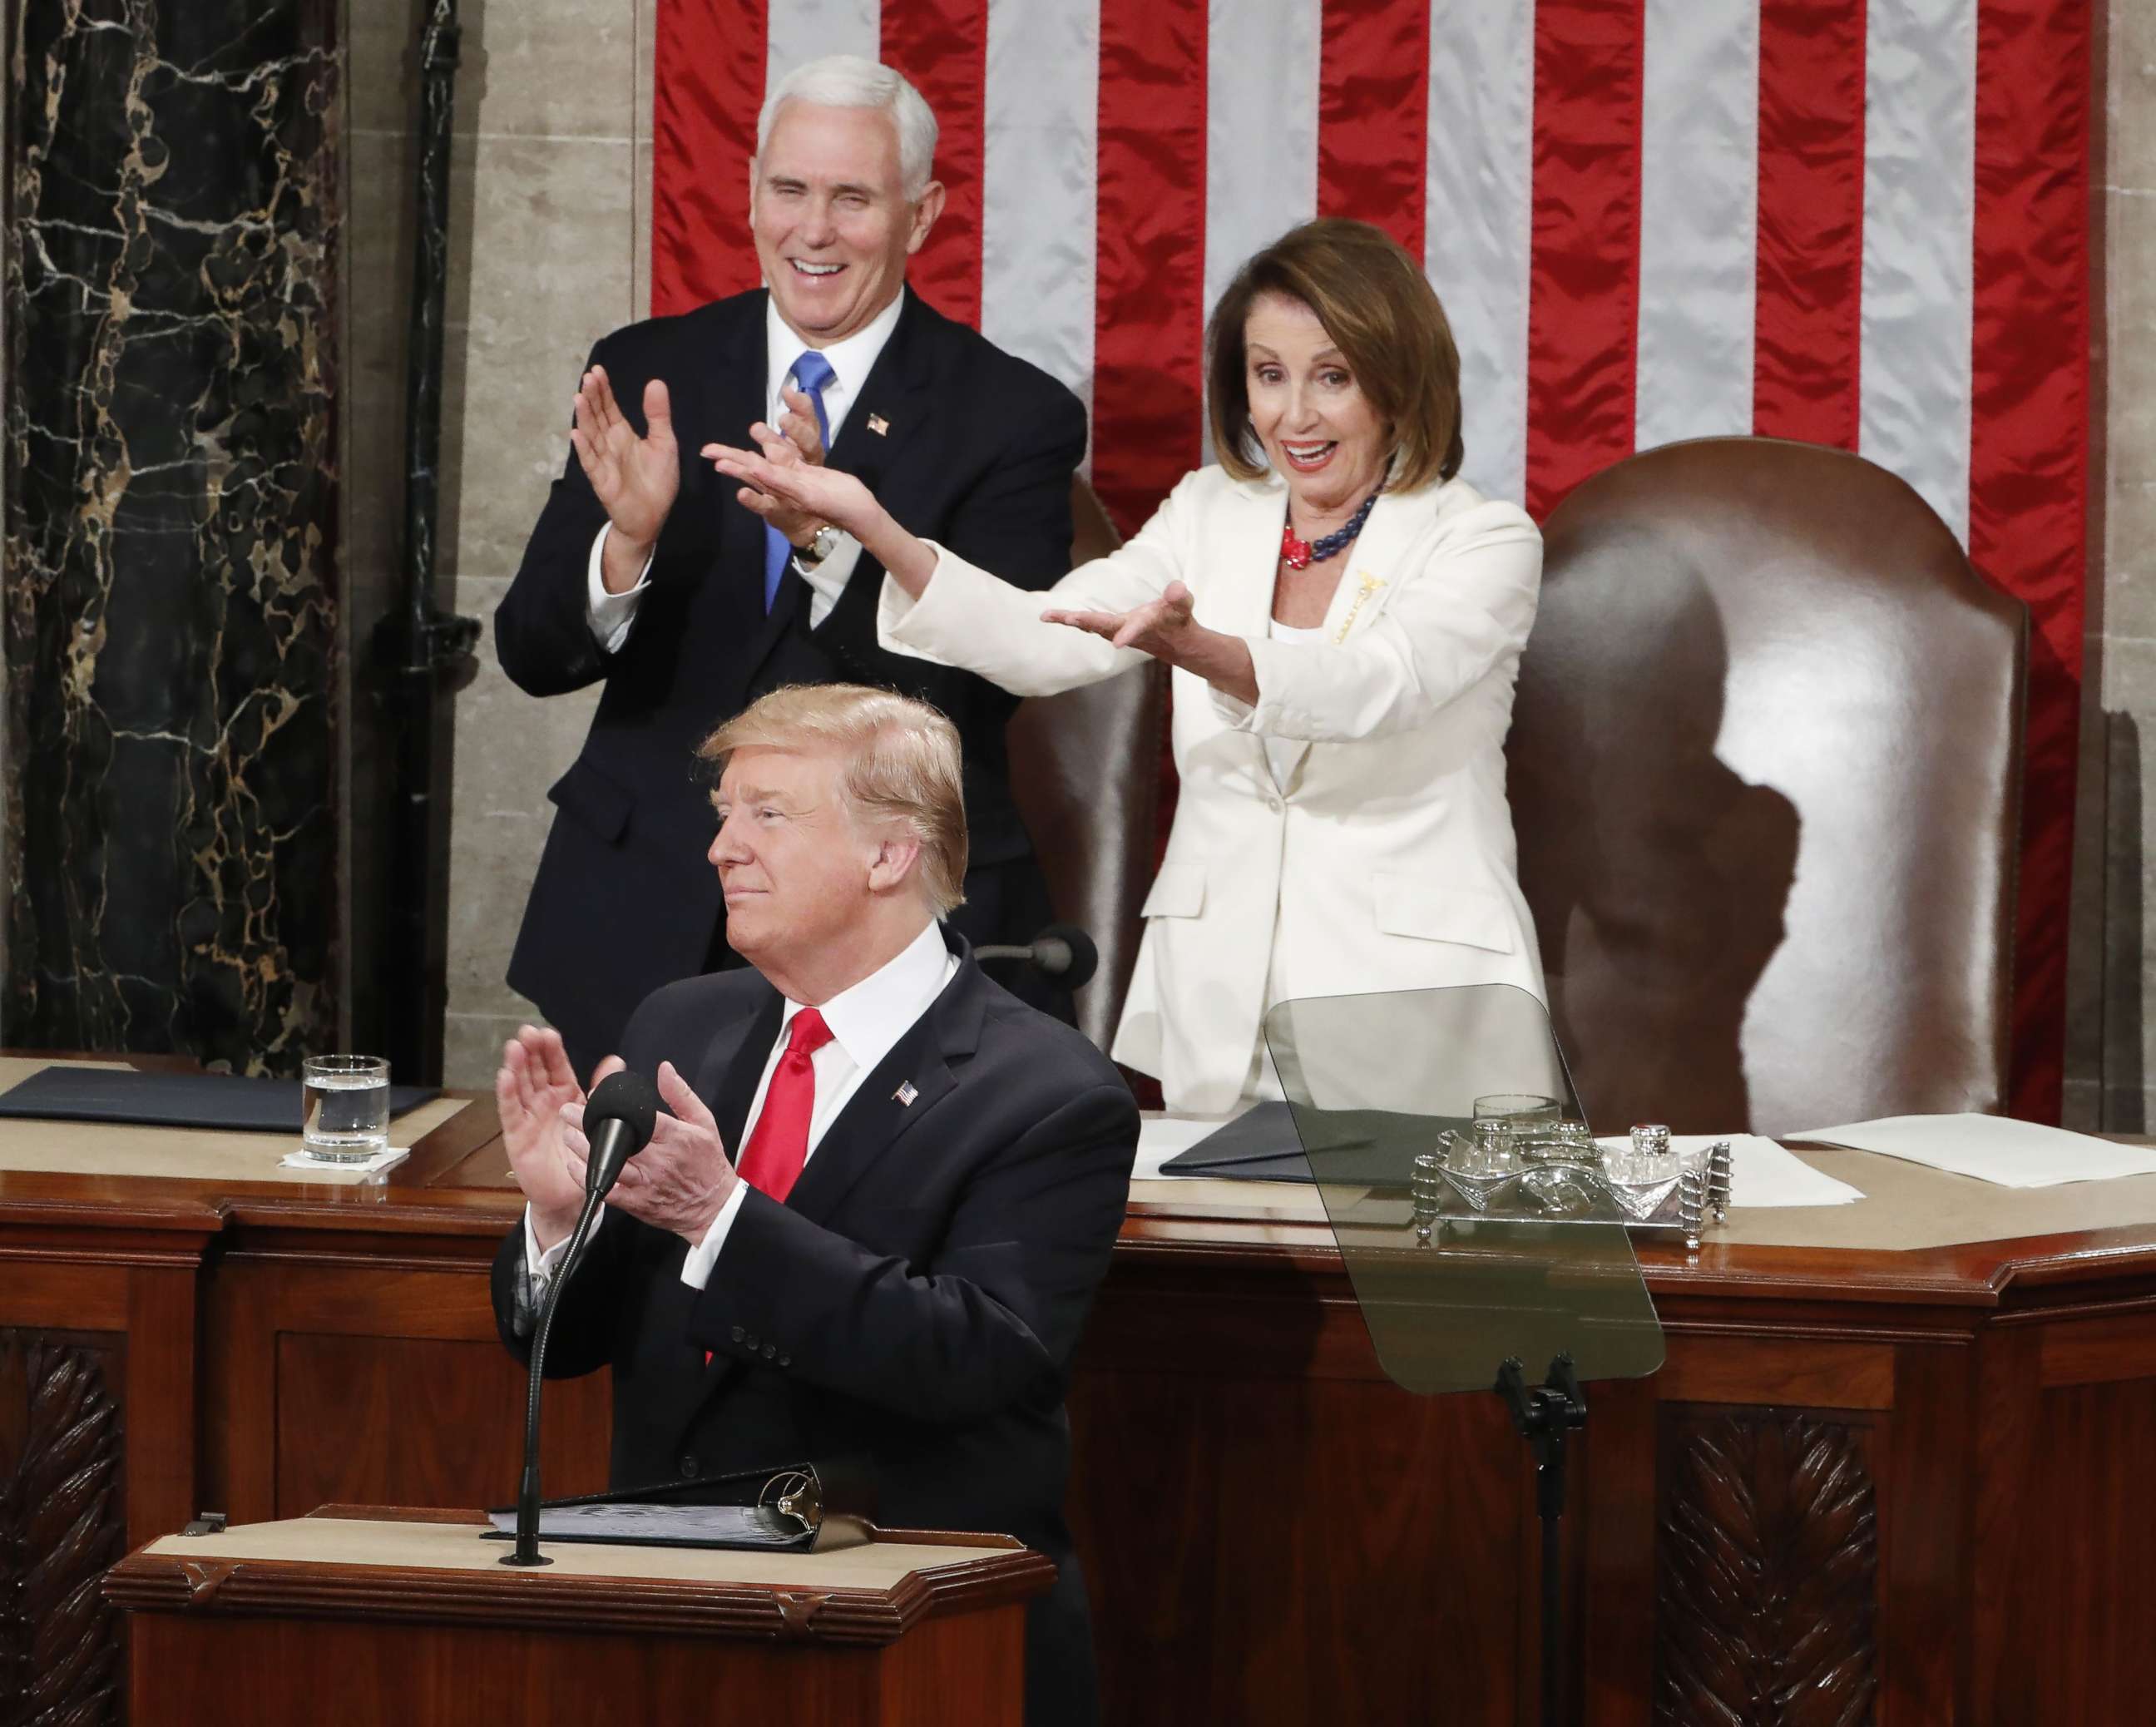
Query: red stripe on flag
(1373,115)
(1149,273)
(707,85)
(2029,454)
(1584,277)
(943,45)
(1808,318)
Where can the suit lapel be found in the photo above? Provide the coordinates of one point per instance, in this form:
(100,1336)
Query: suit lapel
(899,396)
(1366,583)
(1237,597)
(730,1082)
(879,1116)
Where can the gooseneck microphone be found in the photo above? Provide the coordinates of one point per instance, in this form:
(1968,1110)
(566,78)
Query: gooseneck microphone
(1062,951)
(618,1122)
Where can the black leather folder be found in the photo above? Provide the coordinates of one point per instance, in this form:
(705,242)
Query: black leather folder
(1369,1148)
(173,1100)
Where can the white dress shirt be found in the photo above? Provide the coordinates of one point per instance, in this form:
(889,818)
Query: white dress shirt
(866,1020)
(851,359)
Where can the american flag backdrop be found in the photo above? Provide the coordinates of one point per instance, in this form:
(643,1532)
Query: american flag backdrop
(1860,225)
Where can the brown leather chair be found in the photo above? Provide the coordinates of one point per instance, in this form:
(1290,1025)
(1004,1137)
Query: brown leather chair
(1764,770)
(1085,770)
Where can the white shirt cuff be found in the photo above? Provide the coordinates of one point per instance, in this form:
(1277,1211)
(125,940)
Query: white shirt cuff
(539,1268)
(611,614)
(828,580)
(697,1268)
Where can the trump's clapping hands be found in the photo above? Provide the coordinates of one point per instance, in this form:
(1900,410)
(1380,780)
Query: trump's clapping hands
(681,1179)
(541,1106)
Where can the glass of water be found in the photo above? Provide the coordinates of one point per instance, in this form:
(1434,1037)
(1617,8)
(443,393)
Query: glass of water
(347,1108)
(1523,1109)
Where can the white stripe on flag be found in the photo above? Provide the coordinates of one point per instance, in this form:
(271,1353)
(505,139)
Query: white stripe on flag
(1039,178)
(1919,230)
(1699,219)
(1479,221)
(798,31)
(1261,132)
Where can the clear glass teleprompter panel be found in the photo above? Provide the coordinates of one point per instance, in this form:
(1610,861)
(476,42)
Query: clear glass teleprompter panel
(1374,1082)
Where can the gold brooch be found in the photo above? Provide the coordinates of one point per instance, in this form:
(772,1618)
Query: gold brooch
(1371,584)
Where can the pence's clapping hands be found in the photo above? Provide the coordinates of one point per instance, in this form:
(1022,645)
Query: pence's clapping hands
(635,477)
(681,1179)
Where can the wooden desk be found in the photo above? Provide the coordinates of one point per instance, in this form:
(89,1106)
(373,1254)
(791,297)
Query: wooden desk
(363,1615)
(1913,1479)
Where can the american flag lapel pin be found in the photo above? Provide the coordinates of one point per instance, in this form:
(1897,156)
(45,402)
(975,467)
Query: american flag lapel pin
(905,1093)
(881,428)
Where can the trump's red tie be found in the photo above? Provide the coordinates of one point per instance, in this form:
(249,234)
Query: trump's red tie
(771,1162)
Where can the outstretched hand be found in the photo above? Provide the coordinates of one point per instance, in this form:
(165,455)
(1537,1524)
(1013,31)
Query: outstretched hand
(635,478)
(782,481)
(1162,628)
(681,1179)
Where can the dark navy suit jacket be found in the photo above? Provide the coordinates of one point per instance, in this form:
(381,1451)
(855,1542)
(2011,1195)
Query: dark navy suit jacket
(976,451)
(915,1301)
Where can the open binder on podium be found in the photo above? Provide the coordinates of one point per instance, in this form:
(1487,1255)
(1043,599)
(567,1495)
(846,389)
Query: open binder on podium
(1466,1284)
(793,1508)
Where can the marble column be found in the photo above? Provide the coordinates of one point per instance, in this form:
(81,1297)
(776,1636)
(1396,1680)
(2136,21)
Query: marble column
(172,594)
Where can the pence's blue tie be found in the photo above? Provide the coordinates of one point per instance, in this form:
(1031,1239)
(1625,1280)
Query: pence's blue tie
(811,373)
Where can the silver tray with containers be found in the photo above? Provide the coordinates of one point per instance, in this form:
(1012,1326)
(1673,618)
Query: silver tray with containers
(1520,1160)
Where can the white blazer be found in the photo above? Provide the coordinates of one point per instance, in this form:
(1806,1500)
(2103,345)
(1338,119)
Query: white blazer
(1389,862)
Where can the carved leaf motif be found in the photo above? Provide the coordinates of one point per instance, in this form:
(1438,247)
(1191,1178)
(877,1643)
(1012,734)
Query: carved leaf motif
(61,1526)
(1767,1578)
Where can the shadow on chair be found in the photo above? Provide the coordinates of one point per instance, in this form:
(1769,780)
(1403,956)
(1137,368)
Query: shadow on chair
(1764,771)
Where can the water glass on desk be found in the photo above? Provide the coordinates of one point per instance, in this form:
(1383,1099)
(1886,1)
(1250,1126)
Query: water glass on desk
(346,1107)
(1520,1109)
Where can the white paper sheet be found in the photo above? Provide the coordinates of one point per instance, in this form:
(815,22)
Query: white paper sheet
(1762,1174)
(1993,1147)
(1161,1137)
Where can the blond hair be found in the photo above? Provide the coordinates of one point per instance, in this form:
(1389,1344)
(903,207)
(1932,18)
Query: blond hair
(902,765)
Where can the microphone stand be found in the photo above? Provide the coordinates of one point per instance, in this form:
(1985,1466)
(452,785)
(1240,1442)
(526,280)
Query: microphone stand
(526,1551)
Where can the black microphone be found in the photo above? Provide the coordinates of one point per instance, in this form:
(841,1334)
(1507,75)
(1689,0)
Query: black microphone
(619,1118)
(618,1121)
(1062,950)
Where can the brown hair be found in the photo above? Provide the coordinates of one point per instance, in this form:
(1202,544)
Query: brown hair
(901,768)
(1384,316)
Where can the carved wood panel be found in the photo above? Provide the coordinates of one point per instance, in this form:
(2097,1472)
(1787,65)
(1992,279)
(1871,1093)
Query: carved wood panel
(1767,1573)
(63,1521)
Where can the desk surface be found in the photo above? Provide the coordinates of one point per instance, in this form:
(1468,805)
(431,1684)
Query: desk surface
(1919,1230)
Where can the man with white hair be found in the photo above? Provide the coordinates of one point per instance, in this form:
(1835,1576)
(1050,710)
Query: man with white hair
(873,1219)
(687,598)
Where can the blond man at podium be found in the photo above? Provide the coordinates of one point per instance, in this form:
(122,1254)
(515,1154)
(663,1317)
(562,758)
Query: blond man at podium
(875,1218)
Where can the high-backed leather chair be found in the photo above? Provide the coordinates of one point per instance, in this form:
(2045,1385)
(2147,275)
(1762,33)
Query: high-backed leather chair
(1086,771)
(1765,773)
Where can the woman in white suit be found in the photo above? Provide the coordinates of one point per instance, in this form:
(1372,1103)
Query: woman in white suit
(1344,617)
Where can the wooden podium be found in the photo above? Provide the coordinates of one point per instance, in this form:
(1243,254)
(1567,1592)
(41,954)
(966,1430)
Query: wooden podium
(364,1614)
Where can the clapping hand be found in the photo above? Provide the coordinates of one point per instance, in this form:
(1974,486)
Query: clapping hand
(1162,628)
(681,1179)
(636,479)
(541,1108)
